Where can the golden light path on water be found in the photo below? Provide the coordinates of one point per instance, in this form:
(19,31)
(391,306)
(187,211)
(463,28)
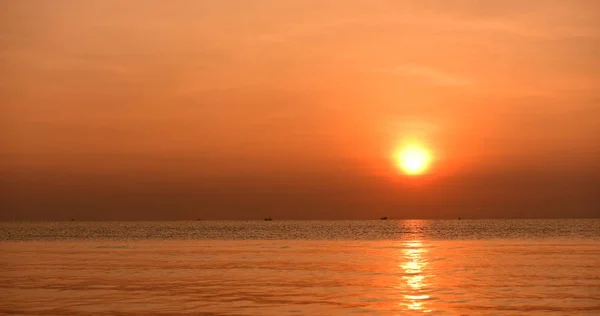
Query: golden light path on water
(415,276)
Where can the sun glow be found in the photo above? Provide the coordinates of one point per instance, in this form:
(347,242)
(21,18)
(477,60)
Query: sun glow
(413,159)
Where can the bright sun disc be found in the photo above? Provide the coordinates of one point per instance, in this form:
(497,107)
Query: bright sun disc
(413,160)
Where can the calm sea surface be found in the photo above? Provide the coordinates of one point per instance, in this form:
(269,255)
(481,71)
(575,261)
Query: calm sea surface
(445,267)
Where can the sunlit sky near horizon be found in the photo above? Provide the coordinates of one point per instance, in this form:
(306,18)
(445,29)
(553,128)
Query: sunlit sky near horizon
(297,109)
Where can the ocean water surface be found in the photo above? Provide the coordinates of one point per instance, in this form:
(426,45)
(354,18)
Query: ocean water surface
(436,267)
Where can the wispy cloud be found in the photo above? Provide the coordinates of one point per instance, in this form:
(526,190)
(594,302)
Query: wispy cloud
(545,25)
(427,74)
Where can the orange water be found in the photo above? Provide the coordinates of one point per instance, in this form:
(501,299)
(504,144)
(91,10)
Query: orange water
(512,276)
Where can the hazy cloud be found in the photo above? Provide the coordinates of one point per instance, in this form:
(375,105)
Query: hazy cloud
(427,74)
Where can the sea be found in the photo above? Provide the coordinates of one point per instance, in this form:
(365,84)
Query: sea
(383,267)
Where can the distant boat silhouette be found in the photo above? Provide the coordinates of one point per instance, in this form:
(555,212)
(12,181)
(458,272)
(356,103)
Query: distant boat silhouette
(198,219)
(384,218)
(459,218)
(268,219)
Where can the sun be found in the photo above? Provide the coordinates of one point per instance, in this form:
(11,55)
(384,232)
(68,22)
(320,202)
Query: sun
(413,159)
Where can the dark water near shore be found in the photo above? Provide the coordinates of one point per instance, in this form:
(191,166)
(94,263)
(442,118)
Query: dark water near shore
(447,267)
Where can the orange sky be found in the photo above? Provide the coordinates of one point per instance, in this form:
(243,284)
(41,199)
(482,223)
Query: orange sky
(242,109)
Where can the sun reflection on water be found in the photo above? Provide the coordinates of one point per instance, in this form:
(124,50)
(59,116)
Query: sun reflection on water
(415,277)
